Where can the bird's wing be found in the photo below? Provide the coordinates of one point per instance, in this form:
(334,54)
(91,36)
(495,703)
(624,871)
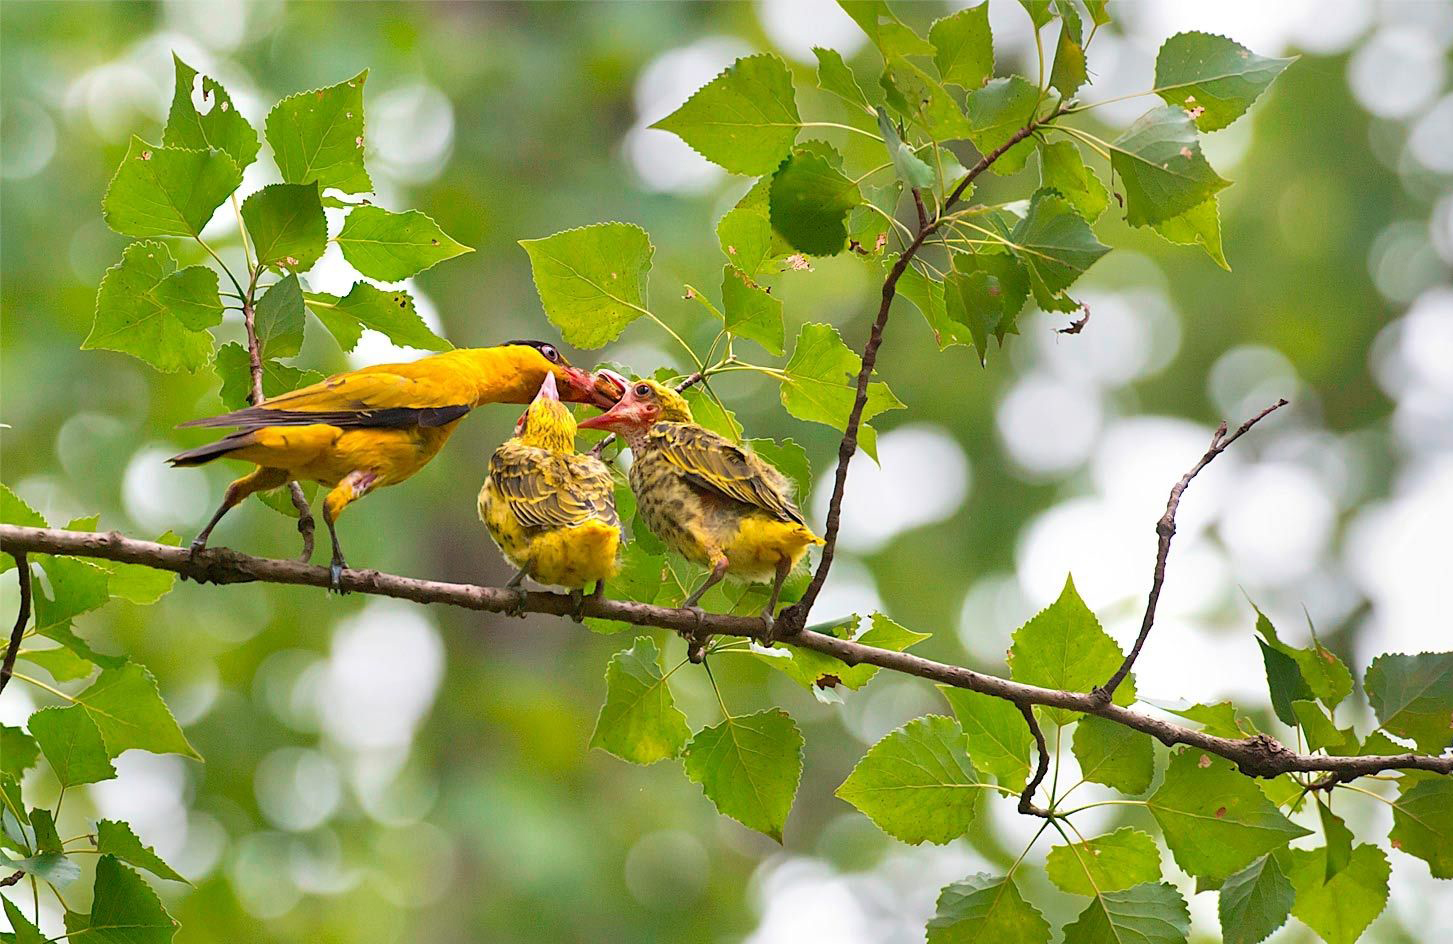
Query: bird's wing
(544,492)
(390,395)
(713,462)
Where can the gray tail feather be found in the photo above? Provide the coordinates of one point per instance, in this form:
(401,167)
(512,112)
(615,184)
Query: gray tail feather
(213,450)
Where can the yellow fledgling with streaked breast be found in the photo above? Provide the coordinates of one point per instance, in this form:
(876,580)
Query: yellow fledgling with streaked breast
(550,509)
(713,502)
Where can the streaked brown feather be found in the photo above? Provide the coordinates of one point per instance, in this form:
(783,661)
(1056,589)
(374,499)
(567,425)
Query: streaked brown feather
(553,490)
(713,462)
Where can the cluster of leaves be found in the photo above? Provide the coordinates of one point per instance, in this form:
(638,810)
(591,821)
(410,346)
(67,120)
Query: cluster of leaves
(971,270)
(1231,833)
(151,307)
(111,705)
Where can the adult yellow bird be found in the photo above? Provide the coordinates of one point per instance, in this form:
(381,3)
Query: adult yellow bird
(710,500)
(551,510)
(377,426)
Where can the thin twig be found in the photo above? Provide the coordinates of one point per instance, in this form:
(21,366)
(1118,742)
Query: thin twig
(12,879)
(793,618)
(1026,798)
(22,569)
(1258,756)
(254,359)
(1166,529)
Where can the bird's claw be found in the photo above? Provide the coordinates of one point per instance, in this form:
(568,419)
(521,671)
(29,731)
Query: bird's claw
(577,614)
(517,608)
(696,640)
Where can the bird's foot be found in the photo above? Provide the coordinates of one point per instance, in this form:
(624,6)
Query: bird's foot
(696,639)
(517,608)
(335,576)
(769,626)
(787,624)
(577,597)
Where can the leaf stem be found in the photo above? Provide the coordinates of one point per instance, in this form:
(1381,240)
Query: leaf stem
(841,127)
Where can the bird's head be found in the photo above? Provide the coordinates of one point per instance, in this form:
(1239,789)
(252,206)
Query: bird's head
(644,403)
(533,361)
(546,422)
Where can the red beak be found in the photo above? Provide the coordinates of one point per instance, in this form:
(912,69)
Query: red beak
(621,416)
(579,387)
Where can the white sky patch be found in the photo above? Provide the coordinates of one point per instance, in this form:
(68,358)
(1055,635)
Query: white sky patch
(662,160)
(383,671)
(795,26)
(1048,425)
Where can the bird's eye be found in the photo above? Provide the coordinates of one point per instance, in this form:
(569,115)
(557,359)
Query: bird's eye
(551,355)
(642,390)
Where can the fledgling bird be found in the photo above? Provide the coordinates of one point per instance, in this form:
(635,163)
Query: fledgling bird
(551,510)
(377,426)
(713,502)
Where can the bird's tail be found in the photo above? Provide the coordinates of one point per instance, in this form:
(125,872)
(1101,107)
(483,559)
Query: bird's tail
(214,450)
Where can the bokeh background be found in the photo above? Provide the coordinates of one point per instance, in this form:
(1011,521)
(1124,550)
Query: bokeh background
(383,772)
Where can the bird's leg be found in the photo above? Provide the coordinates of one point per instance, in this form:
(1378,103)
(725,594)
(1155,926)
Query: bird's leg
(769,615)
(518,607)
(696,639)
(353,487)
(258,480)
(578,598)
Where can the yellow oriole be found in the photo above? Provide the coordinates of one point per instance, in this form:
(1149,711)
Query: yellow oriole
(377,426)
(712,501)
(551,510)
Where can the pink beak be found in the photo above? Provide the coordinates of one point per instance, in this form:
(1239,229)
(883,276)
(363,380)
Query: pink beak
(548,390)
(620,415)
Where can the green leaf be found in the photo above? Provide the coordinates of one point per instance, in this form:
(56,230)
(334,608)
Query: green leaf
(1341,909)
(999,742)
(1284,681)
(279,319)
(745,233)
(1099,11)
(1324,674)
(1146,914)
(1198,226)
(116,838)
(821,384)
(391,313)
(886,31)
(749,766)
(77,586)
(1215,820)
(750,311)
(47,866)
(1255,902)
(394,246)
(1160,164)
(1065,647)
(910,167)
(61,663)
(975,299)
(46,838)
(592,280)
(927,295)
(1109,863)
(1211,76)
(996,112)
(639,721)
(72,745)
(222,127)
(834,76)
(124,910)
(1422,823)
(1068,72)
(985,907)
(138,583)
(1039,12)
(810,200)
(318,135)
(922,100)
(129,712)
(1321,734)
(1339,840)
(963,47)
(18,750)
(163,191)
(641,578)
(1011,278)
(1062,168)
(1114,755)
(20,926)
(745,119)
(150,309)
(14,510)
(1413,697)
(1055,242)
(917,784)
(287,226)
(1219,719)
(234,367)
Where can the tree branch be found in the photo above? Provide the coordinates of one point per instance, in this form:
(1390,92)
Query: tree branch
(1026,799)
(1259,756)
(254,363)
(792,619)
(22,569)
(1166,529)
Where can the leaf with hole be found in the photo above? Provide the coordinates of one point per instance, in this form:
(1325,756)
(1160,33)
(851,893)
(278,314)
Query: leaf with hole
(318,135)
(287,227)
(164,191)
(1212,77)
(220,126)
